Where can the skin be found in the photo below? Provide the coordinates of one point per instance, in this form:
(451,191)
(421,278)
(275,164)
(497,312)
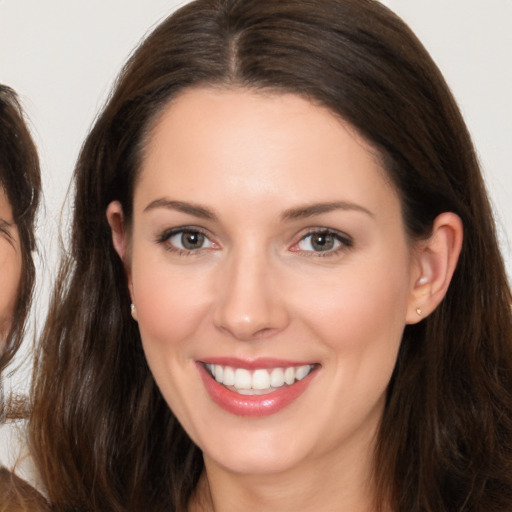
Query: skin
(10,266)
(258,288)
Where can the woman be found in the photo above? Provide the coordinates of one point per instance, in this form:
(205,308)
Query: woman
(284,288)
(20,187)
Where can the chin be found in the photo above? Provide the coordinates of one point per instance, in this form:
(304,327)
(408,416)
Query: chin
(259,461)
(251,450)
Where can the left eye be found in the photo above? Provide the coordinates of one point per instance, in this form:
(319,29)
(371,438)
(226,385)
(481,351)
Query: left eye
(5,230)
(190,240)
(322,241)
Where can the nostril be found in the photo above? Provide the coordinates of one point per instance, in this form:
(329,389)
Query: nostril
(246,333)
(248,306)
(266,332)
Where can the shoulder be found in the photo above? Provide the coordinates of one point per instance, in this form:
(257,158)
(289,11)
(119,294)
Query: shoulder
(16,495)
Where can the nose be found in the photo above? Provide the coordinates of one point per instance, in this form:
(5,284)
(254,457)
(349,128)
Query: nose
(249,303)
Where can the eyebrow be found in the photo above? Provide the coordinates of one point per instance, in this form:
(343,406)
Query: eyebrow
(290,214)
(319,208)
(181,206)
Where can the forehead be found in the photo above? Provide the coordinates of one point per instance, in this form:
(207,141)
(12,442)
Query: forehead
(245,143)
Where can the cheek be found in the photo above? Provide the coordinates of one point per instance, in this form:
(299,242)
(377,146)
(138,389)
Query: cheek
(358,320)
(171,310)
(10,275)
(360,312)
(170,301)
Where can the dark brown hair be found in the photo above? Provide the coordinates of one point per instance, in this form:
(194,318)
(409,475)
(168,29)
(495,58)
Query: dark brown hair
(20,179)
(103,437)
(18,496)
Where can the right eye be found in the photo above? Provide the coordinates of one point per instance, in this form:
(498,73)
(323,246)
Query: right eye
(186,240)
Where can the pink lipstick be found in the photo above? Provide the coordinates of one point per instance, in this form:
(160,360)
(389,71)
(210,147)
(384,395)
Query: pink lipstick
(254,388)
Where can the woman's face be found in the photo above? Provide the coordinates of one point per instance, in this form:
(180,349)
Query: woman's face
(10,265)
(271,277)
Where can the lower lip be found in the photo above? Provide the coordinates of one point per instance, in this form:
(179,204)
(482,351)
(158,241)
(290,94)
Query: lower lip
(252,405)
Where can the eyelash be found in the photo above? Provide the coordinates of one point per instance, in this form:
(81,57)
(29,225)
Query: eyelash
(166,236)
(5,229)
(344,242)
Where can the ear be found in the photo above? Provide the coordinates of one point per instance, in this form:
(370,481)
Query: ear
(120,238)
(435,262)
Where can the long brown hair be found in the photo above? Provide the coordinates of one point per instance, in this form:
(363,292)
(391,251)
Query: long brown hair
(21,181)
(103,437)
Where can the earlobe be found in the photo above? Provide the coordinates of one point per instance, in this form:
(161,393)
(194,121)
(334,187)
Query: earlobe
(436,260)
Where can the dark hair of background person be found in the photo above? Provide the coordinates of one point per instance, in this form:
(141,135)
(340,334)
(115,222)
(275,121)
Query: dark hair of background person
(20,178)
(103,437)
(21,181)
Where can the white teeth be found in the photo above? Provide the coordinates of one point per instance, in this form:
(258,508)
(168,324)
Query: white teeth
(246,382)
(229,376)
(277,377)
(289,376)
(260,379)
(301,372)
(242,378)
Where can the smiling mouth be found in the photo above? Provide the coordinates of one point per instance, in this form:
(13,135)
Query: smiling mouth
(259,381)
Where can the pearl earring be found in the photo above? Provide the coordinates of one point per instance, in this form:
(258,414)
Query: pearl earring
(423,280)
(132,311)
(419,312)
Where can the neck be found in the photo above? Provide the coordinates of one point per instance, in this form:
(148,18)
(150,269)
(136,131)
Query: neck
(329,483)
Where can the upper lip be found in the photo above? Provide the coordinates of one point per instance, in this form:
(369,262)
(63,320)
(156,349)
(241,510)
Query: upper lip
(253,364)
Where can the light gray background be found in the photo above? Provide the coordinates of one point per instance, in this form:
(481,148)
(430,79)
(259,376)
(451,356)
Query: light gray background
(63,55)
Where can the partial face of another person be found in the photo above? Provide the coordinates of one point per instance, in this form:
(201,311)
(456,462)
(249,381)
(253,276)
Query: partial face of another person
(10,265)
(271,276)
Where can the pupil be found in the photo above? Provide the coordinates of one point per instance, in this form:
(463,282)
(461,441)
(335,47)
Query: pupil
(323,242)
(192,240)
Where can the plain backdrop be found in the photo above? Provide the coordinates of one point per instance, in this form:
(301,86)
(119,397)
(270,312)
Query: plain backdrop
(62,57)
